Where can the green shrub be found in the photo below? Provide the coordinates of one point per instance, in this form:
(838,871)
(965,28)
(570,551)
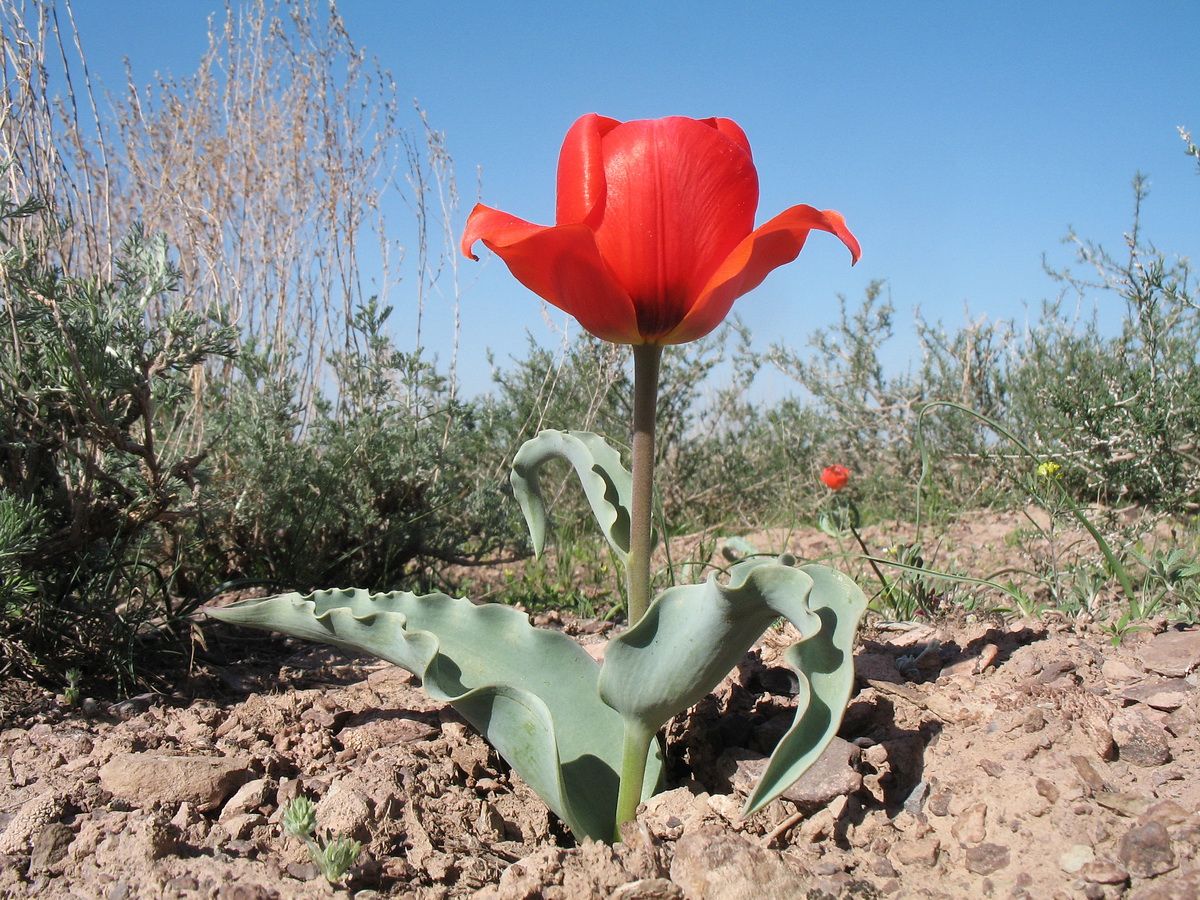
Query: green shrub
(99,463)
(1123,411)
(378,484)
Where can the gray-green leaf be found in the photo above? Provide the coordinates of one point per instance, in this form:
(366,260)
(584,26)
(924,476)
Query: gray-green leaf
(531,692)
(606,483)
(693,635)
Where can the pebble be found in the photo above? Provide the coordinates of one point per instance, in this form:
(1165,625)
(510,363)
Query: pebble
(1165,812)
(1176,886)
(832,775)
(205,782)
(939,803)
(347,811)
(1139,740)
(1103,872)
(716,864)
(1046,789)
(1033,720)
(1075,858)
(971,826)
(1172,653)
(881,867)
(986,858)
(1167,694)
(50,846)
(987,656)
(1091,779)
(1130,805)
(923,852)
(250,797)
(1145,850)
(647,889)
(916,798)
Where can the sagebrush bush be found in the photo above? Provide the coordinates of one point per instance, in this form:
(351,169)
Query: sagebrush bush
(380,483)
(96,474)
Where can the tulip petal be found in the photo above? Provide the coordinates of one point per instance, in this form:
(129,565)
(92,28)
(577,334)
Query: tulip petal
(581,185)
(732,129)
(771,245)
(562,265)
(681,195)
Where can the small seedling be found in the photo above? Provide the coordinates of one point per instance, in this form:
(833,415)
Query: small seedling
(72,693)
(333,855)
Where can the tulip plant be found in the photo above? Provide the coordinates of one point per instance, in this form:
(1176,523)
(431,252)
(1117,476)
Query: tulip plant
(654,240)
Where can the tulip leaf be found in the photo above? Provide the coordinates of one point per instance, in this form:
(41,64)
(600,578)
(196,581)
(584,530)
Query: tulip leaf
(693,635)
(531,692)
(606,483)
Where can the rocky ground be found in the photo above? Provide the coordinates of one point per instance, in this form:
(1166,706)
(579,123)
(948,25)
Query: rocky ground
(979,758)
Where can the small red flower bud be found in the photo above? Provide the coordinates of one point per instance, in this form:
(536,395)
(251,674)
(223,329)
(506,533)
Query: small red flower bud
(835,477)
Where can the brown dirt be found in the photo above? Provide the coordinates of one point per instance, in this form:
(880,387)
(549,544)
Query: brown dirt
(979,758)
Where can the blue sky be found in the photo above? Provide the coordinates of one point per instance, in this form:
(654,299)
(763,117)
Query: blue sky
(959,140)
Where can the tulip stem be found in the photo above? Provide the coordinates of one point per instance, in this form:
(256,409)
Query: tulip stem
(646,359)
(635,752)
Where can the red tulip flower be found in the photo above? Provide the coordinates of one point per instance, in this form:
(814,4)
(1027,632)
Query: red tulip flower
(835,477)
(655,233)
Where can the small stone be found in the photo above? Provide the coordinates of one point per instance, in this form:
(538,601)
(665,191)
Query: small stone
(345,811)
(648,889)
(239,826)
(1172,653)
(716,864)
(876,667)
(1130,805)
(1139,740)
(1114,670)
(1033,720)
(831,776)
(250,797)
(1145,850)
(939,803)
(1102,872)
(916,798)
(1183,885)
(1166,694)
(923,852)
(971,826)
(1046,789)
(1091,779)
(992,767)
(986,858)
(669,814)
(302,871)
(875,756)
(881,867)
(145,778)
(1075,858)
(1165,812)
(50,846)
(987,656)
(473,759)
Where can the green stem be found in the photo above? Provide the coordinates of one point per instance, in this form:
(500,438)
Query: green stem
(646,358)
(634,753)
(886,585)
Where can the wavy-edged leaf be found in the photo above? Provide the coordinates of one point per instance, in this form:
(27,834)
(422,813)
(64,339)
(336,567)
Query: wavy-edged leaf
(531,692)
(824,667)
(693,635)
(606,483)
